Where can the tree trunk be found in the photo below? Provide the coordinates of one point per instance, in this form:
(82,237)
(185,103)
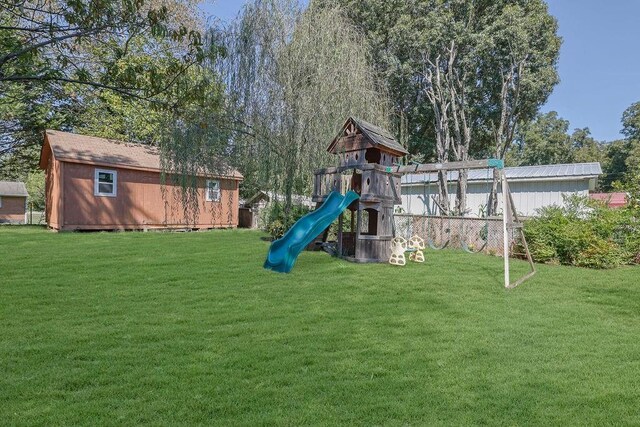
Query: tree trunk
(505,131)
(443,193)
(439,98)
(461,192)
(461,129)
(492,205)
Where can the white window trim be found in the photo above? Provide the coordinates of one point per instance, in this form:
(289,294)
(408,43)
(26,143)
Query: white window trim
(207,194)
(96,183)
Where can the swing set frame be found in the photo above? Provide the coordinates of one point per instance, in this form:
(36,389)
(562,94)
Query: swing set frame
(510,221)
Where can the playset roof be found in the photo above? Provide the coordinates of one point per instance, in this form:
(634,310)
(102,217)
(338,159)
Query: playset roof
(376,135)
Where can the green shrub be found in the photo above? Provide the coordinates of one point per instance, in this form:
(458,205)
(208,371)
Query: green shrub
(600,253)
(276,229)
(584,233)
(540,240)
(278,220)
(346,225)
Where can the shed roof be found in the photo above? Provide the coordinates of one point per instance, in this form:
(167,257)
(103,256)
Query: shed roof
(13,188)
(93,150)
(376,134)
(533,173)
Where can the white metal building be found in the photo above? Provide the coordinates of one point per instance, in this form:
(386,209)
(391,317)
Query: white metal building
(532,187)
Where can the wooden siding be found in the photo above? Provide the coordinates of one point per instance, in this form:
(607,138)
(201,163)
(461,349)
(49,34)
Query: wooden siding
(374,185)
(372,250)
(53,189)
(13,209)
(139,203)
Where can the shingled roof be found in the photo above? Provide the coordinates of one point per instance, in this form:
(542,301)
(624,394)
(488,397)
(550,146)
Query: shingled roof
(377,135)
(75,148)
(13,189)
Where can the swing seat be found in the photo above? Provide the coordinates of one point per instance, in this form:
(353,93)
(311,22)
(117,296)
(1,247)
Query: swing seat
(398,247)
(417,256)
(396,259)
(416,243)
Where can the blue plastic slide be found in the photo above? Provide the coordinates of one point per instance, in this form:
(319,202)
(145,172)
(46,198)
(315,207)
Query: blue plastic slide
(284,251)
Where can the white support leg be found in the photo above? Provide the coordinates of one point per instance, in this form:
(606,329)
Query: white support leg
(505,218)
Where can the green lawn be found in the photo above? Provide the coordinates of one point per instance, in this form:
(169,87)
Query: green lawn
(187,328)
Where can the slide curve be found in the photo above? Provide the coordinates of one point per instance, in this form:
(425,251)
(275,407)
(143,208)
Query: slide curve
(284,251)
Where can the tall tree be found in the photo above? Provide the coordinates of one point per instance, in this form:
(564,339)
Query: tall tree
(58,57)
(631,122)
(542,141)
(631,129)
(293,77)
(481,67)
(109,113)
(627,155)
(518,63)
(615,163)
(585,148)
(60,31)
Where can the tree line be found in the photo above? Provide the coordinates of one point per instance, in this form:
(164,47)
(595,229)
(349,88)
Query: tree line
(547,140)
(454,79)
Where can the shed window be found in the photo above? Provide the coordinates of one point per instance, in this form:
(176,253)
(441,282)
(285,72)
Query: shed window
(212,193)
(106,183)
(0,202)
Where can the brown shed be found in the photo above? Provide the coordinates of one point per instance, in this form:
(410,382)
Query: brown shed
(102,184)
(13,202)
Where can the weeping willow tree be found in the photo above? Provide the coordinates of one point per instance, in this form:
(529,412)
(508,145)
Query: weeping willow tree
(294,76)
(291,77)
(195,143)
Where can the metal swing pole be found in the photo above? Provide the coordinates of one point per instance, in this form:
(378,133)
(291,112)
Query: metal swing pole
(505,235)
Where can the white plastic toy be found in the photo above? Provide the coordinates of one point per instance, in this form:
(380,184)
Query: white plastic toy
(398,247)
(417,244)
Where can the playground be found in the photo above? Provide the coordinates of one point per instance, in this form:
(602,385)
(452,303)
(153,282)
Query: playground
(195,331)
(366,182)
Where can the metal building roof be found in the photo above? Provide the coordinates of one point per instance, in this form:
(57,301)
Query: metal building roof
(15,189)
(533,173)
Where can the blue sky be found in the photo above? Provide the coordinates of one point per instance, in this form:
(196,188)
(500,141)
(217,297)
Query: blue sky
(599,63)
(599,60)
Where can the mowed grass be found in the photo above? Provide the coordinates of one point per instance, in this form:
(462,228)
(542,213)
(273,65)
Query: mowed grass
(187,328)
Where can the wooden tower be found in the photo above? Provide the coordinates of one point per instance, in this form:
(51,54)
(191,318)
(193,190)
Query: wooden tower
(366,154)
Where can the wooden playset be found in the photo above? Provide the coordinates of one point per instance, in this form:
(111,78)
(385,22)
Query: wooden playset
(365,153)
(368,164)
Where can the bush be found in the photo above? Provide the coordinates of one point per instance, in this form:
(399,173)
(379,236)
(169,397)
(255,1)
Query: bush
(278,221)
(600,254)
(276,229)
(584,233)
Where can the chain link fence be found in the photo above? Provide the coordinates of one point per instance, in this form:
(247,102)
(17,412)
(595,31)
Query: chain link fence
(35,218)
(472,234)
